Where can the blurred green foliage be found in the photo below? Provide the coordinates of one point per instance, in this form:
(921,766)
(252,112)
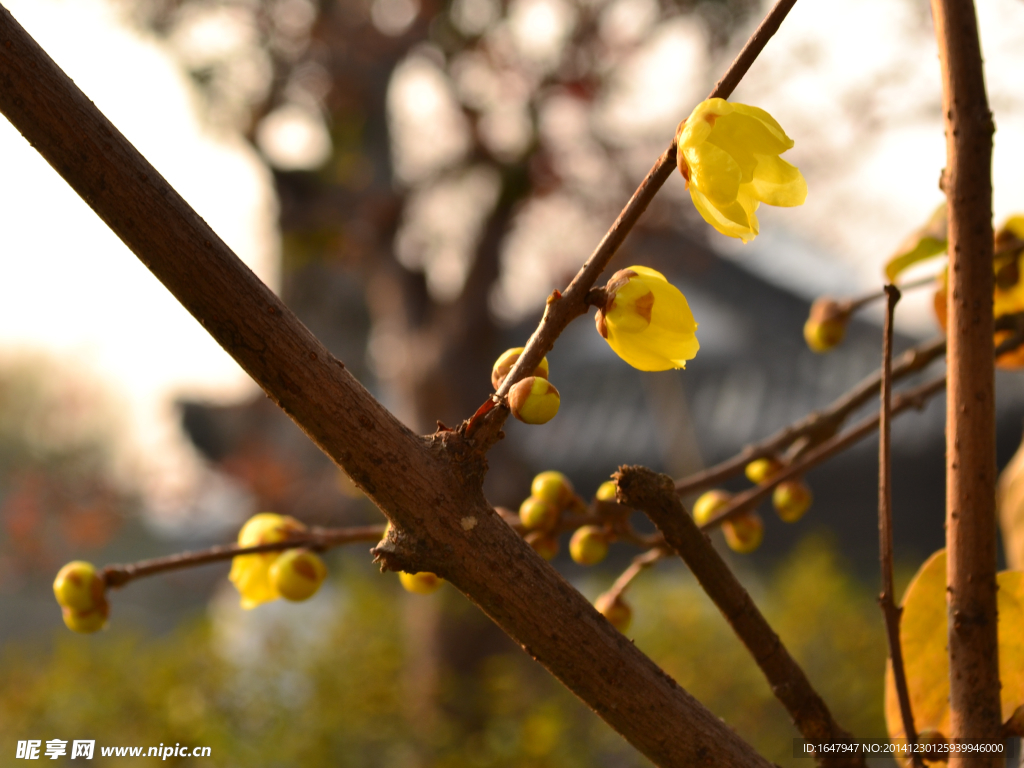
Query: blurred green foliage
(345,699)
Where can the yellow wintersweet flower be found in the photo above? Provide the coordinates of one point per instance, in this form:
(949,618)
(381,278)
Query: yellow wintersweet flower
(251,573)
(647,321)
(729,156)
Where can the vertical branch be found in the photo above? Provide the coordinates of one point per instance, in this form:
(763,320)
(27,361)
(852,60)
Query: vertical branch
(970,410)
(889,609)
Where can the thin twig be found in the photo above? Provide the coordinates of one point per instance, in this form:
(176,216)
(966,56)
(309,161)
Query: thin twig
(641,488)
(888,602)
(564,307)
(852,305)
(317,539)
(819,424)
(912,398)
(640,564)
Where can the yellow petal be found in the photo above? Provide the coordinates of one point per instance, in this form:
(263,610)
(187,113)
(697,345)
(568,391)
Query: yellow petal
(714,172)
(770,124)
(923,635)
(777,182)
(668,340)
(745,228)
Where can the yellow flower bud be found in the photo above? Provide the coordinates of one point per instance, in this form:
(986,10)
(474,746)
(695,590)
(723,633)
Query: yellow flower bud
(646,320)
(251,573)
(536,513)
(534,400)
(508,359)
(554,488)
(544,544)
(297,574)
(420,583)
(617,611)
(606,491)
(589,545)
(791,500)
(763,469)
(826,326)
(92,620)
(707,506)
(729,156)
(78,586)
(744,533)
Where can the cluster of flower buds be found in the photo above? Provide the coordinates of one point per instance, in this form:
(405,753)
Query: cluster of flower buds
(533,399)
(743,533)
(551,493)
(81,594)
(294,574)
(791,498)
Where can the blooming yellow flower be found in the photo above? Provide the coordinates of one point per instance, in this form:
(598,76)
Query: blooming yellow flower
(251,573)
(729,156)
(647,321)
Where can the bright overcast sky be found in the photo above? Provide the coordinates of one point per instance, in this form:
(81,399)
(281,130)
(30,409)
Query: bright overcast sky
(855,82)
(73,289)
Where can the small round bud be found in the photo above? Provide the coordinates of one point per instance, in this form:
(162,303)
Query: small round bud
(934,746)
(297,574)
(588,545)
(744,533)
(553,488)
(534,400)
(606,491)
(504,364)
(544,544)
(420,583)
(616,610)
(87,622)
(78,586)
(791,500)
(826,326)
(537,514)
(707,506)
(761,470)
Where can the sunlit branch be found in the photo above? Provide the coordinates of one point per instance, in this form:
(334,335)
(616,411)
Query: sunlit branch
(742,502)
(818,425)
(317,539)
(886,599)
(852,305)
(564,307)
(641,488)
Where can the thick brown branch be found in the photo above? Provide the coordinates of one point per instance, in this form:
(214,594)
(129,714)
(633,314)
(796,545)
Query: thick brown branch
(970,407)
(317,539)
(655,494)
(564,307)
(889,610)
(430,488)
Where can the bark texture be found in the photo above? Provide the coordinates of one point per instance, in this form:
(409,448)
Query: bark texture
(429,487)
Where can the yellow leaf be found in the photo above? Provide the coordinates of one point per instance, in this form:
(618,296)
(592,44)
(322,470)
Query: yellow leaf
(1010,498)
(923,635)
(930,240)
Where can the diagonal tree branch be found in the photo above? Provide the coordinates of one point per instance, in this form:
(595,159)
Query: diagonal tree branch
(430,488)
(970,408)
(819,425)
(655,494)
(564,307)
